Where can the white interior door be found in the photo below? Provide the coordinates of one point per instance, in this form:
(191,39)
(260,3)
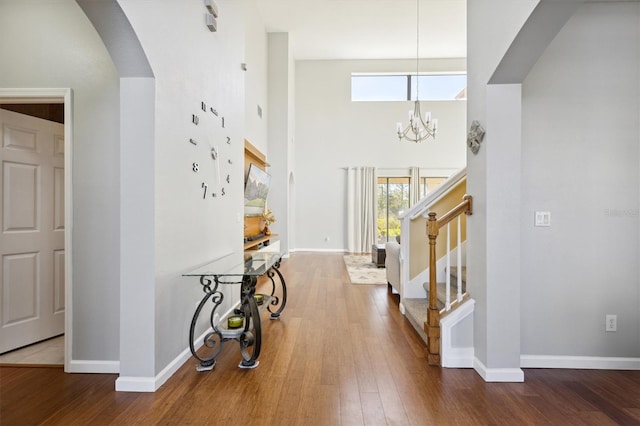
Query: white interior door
(32,281)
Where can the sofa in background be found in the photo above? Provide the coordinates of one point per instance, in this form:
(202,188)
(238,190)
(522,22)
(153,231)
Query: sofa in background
(392,264)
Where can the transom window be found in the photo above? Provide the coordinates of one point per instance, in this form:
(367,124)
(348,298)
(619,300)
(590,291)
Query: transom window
(403,87)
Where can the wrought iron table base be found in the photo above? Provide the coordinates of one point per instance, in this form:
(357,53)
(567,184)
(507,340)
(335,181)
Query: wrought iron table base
(249,336)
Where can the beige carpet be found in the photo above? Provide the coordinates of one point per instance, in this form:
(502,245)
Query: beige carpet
(363,271)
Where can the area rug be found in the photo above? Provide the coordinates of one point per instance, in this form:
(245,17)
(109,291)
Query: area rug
(363,271)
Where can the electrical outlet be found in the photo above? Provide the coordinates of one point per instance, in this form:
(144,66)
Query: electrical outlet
(611,323)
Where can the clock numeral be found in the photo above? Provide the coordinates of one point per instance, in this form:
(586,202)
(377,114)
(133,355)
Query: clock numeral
(223,193)
(228,179)
(223,122)
(214,153)
(214,112)
(195,119)
(228,140)
(195,167)
(203,106)
(229,161)
(214,195)
(205,186)
(193,141)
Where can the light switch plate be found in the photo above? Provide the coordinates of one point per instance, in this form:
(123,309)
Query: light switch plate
(543,219)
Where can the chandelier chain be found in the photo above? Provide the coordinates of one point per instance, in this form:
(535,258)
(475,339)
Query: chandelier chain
(420,127)
(417,49)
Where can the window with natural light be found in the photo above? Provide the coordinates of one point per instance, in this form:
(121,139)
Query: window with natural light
(428,184)
(404,87)
(393,198)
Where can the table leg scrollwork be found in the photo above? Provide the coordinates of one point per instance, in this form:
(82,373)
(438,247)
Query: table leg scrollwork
(206,338)
(276,301)
(212,341)
(251,338)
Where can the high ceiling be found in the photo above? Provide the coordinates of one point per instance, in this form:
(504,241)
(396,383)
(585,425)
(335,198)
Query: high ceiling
(368,29)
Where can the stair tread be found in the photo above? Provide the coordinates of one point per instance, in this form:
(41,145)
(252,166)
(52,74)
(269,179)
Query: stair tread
(454,273)
(453,291)
(441,290)
(416,312)
(453,283)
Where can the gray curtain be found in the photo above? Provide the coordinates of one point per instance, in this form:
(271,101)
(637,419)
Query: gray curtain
(414,186)
(362,209)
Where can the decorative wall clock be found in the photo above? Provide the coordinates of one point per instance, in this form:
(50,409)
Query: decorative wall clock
(211,163)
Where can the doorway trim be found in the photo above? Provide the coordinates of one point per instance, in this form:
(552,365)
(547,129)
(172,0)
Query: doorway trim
(57,95)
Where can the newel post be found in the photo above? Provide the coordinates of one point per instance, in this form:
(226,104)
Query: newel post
(432,326)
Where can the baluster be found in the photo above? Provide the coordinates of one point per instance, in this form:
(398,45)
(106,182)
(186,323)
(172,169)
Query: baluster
(459,261)
(447,290)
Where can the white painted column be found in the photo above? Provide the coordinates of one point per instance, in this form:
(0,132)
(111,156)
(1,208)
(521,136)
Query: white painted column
(279,112)
(137,235)
(501,358)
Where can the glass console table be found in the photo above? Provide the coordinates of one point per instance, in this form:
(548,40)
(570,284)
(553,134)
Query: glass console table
(244,269)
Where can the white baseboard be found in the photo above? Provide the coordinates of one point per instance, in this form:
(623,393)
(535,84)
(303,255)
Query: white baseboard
(152,384)
(510,375)
(136,384)
(402,308)
(92,366)
(579,362)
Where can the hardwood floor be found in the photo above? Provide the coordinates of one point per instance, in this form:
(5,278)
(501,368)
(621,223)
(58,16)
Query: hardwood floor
(341,354)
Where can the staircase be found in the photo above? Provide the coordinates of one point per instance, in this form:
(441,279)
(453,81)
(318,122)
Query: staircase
(416,308)
(438,317)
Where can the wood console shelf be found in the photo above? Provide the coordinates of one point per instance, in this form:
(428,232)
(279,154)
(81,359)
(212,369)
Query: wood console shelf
(258,243)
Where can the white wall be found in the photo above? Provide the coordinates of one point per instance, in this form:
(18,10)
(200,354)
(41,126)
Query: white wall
(137,228)
(489,35)
(256,91)
(53,44)
(189,231)
(580,155)
(572,166)
(333,133)
(191,65)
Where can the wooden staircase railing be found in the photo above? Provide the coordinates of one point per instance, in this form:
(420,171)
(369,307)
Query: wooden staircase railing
(432,325)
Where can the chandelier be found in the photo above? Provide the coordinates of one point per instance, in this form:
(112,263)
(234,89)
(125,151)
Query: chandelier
(421,127)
